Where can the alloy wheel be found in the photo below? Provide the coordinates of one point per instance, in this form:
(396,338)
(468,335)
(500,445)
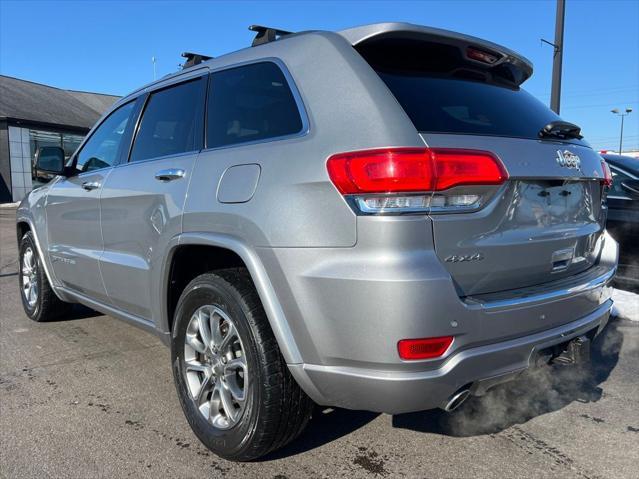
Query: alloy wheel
(215,366)
(29,277)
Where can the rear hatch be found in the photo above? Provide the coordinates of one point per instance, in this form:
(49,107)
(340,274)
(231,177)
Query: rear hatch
(545,222)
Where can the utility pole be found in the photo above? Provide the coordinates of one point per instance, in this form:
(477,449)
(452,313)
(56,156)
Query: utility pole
(555,94)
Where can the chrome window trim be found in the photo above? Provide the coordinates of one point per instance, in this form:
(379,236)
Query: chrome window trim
(158,158)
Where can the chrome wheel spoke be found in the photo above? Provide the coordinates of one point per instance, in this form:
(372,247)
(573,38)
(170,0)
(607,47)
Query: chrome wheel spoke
(227,404)
(235,378)
(32,294)
(203,327)
(216,331)
(229,338)
(205,388)
(235,364)
(196,366)
(195,343)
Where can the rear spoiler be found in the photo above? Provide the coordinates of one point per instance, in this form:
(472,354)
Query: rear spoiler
(480,53)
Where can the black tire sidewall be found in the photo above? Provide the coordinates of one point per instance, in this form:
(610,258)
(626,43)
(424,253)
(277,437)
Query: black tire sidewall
(215,291)
(35,311)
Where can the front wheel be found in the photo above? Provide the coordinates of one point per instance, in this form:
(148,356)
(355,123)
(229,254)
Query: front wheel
(234,386)
(39,301)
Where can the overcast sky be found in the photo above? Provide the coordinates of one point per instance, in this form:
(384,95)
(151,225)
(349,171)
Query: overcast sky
(106,46)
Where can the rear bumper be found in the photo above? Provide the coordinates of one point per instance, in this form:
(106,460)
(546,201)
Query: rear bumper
(476,368)
(350,325)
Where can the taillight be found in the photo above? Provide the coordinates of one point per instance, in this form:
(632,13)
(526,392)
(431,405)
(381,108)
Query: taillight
(426,348)
(607,179)
(399,180)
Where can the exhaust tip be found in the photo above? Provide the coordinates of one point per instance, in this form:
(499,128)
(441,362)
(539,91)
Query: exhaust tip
(456,400)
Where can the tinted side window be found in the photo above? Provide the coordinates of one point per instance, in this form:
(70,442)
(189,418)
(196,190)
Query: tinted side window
(249,103)
(171,122)
(101,150)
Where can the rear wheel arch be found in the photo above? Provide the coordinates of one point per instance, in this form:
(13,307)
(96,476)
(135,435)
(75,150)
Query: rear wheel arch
(199,253)
(188,262)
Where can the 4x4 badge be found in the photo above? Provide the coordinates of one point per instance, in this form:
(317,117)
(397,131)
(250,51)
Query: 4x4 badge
(462,258)
(568,159)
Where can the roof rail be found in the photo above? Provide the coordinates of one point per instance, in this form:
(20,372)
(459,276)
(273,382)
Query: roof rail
(193,59)
(266,34)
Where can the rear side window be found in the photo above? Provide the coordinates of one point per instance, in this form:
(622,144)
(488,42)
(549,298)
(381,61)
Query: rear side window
(172,122)
(444,104)
(249,103)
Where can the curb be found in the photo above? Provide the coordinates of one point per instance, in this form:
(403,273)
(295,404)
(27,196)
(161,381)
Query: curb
(8,206)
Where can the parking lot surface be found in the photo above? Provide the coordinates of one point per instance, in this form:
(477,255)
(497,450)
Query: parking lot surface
(91,396)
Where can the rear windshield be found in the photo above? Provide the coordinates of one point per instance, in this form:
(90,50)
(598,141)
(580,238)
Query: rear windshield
(439,104)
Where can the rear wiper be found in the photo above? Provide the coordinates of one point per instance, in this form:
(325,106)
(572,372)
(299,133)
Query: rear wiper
(560,129)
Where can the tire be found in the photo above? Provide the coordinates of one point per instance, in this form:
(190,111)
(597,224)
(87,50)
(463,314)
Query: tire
(274,409)
(39,301)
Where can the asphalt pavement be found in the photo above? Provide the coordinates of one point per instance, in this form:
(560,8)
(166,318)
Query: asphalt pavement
(91,396)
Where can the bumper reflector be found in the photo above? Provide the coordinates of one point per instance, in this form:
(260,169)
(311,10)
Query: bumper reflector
(426,348)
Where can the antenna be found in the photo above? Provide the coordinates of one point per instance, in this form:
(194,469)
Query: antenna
(153,59)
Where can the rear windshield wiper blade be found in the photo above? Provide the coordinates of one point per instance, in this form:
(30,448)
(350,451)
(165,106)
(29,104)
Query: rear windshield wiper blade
(560,129)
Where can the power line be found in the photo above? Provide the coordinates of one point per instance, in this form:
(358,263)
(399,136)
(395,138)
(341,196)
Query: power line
(596,90)
(601,104)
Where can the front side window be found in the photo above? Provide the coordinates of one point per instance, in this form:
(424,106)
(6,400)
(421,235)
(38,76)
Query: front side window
(249,103)
(101,150)
(172,122)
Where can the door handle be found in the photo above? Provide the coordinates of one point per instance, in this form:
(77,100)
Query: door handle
(170,174)
(90,185)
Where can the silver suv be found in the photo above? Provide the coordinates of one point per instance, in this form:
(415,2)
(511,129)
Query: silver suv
(378,218)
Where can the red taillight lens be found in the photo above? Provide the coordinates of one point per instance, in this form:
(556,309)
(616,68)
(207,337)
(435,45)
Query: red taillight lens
(426,348)
(466,167)
(405,170)
(607,179)
(382,171)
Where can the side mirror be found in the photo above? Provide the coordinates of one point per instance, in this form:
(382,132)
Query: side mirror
(50,159)
(631,187)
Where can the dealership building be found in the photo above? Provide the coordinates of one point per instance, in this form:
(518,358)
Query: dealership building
(34,115)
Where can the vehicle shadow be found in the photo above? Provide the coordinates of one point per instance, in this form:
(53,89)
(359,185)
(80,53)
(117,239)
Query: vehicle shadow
(327,425)
(535,393)
(78,311)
